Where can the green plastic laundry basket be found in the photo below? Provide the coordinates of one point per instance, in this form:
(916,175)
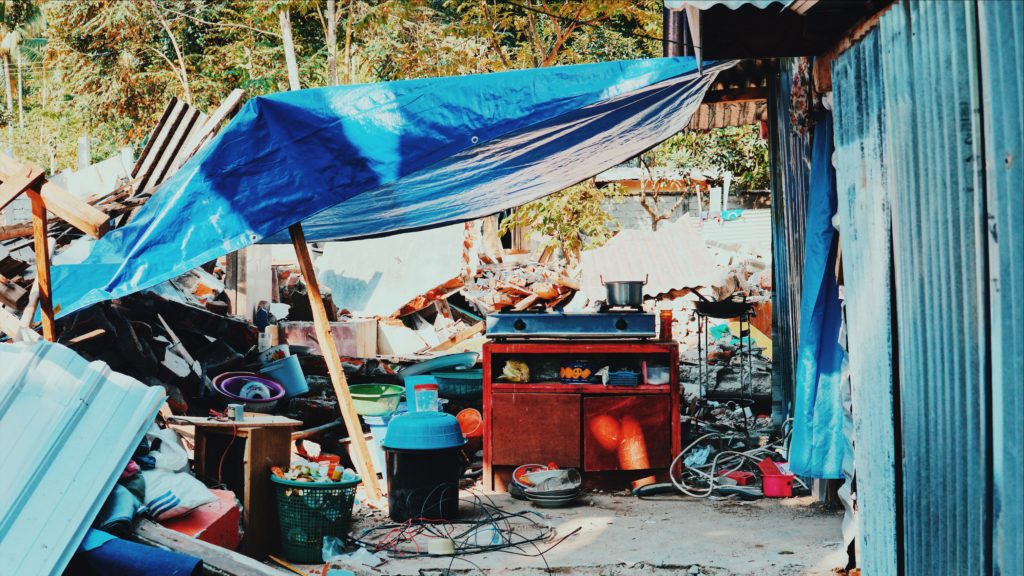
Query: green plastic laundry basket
(309,511)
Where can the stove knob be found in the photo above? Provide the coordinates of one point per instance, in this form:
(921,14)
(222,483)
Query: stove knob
(621,324)
(519,325)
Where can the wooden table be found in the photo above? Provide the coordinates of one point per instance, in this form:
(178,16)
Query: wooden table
(265,442)
(613,435)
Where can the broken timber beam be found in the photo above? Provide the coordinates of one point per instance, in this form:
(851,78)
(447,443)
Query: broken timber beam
(364,465)
(15,231)
(18,178)
(217,561)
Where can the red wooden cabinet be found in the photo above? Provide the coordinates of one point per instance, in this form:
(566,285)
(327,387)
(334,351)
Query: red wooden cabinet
(531,427)
(601,430)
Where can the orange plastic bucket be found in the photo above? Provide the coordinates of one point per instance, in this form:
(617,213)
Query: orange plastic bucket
(471,422)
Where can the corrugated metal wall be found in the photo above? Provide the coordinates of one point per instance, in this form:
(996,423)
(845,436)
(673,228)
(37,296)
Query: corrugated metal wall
(1001,40)
(790,154)
(862,184)
(929,65)
(929,123)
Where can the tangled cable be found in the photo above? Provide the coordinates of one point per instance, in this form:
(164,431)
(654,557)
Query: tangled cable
(701,480)
(401,540)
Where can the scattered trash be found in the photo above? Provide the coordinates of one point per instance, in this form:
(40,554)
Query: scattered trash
(334,553)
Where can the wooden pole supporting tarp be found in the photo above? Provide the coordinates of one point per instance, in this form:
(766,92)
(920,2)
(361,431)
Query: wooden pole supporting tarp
(42,265)
(364,465)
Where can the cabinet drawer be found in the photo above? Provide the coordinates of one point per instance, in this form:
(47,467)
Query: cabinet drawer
(626,432)
(535,428)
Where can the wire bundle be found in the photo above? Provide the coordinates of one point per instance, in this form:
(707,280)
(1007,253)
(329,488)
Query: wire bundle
(701,480)
(519,534)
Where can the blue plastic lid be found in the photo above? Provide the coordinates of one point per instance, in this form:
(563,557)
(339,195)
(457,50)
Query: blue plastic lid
(424,431)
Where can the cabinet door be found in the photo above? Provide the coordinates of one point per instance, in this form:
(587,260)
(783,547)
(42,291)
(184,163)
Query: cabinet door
(626,432)
(535,429)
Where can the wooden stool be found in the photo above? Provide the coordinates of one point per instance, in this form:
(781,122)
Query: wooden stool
(267,443)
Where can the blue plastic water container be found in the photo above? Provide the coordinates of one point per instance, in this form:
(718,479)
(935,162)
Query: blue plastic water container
(288,373)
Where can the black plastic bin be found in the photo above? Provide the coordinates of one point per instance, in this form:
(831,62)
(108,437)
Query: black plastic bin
(424,484)
(423,452)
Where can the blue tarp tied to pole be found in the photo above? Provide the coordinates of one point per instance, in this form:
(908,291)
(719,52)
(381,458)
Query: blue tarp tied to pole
(818,446)
(376,159)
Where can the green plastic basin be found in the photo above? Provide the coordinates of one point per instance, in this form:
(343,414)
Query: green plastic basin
(376,399)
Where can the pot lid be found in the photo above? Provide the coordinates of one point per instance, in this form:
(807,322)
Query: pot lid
(424,431)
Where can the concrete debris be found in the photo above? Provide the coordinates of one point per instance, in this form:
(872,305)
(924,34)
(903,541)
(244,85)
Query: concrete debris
(500,286)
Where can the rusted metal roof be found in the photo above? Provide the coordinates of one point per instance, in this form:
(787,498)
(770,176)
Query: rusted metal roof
(68,428)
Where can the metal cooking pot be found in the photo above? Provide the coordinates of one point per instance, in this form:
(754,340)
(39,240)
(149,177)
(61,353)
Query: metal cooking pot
(628,293)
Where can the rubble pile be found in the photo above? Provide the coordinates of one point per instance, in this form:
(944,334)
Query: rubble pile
(500,286)
(742,274)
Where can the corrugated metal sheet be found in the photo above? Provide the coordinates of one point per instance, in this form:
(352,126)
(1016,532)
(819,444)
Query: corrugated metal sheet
(790,155)
(1001,36)
(672,258)
(68,428)
(863,185)
(753,229)
(929,61)
(378,276)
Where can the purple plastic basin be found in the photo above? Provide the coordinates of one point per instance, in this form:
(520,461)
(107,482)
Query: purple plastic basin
(231,388)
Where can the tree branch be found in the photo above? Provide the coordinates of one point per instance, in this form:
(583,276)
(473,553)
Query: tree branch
(220,24)
(492,36)
(177,51)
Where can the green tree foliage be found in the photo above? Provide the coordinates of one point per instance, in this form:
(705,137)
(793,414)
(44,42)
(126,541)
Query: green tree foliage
(736,149)
(107,68)
(572,220)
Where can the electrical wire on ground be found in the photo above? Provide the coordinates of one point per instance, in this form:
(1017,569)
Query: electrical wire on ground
(703,479)
(526,534)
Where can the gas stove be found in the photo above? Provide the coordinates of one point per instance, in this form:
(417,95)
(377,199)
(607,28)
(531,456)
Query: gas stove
(613,323)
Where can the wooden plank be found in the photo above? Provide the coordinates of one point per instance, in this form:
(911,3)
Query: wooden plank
(252,419)
(43,266)
(10,293)
(74,211)
(265,447)
(63,204)
(205,132)
(526,302)
(364,465)
(28,314)
(217,561)
(159,140)
(16,179)
(190,118)
(151,141)
(198,451)
(461,336)
(15,231)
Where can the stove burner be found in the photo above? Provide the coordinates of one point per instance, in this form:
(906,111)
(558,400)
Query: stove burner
(606,309)
(611,323)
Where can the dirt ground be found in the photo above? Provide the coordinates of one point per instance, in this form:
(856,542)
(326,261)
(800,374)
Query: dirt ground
(623,536)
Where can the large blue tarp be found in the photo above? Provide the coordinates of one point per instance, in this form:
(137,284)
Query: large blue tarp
(817,448)
(375,159)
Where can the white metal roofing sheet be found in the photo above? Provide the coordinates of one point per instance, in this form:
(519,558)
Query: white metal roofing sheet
(67,429)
